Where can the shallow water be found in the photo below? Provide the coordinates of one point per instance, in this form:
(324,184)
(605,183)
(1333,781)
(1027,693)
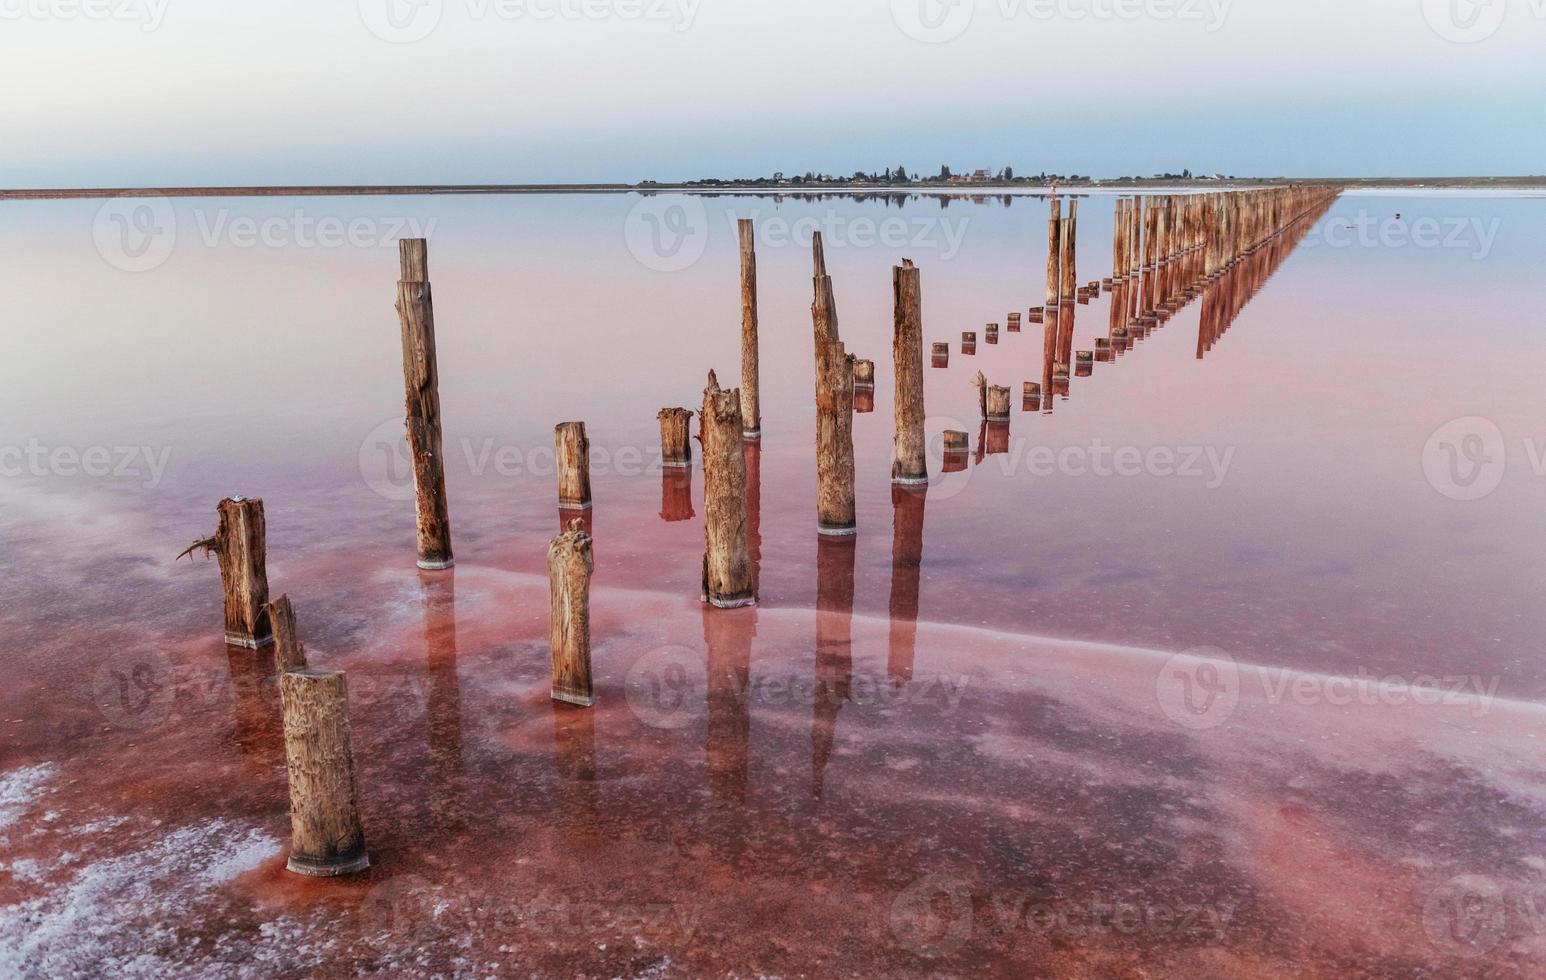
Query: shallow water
(818,786)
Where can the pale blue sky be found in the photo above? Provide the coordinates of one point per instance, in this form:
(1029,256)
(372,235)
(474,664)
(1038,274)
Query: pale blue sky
(109,92)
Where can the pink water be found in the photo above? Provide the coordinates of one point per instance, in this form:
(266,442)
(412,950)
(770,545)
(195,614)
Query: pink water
(788,790)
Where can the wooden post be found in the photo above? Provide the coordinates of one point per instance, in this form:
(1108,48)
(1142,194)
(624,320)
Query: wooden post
(998,404)
(751,408)
(909,461)
(991,333)
(1054,250)
(729,580)
(571,453)
(1066,240)
(569,571)
(864,375)
(421,383)
(239,544)
(289,652)
(1032,402)
(981,384)
(941,355)
(1014,323)
(675,437)
(326,837)
(835,505)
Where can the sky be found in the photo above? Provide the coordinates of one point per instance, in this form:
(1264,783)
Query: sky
(190,92)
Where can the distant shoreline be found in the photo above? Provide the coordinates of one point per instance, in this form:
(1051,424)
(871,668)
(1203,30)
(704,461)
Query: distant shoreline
(843,187)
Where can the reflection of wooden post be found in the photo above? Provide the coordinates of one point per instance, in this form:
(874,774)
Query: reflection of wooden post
(907,504)
(909,462)
(241,548)
(835,505)
(728,578)
(571,452)
(728,637)
(289,652)
(751,409)
(675,437)
(569,571)
(326,837)
(835,560)
(421,382)
(676,495)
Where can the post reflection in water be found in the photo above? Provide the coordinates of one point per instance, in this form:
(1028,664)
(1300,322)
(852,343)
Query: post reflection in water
(907,505)
(995,438)
(728,634)
(676,494)
(751,450)
(443,701)
(574,750)
(257,731)
(834,647)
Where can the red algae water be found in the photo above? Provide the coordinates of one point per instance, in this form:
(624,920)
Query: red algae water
(1226,666)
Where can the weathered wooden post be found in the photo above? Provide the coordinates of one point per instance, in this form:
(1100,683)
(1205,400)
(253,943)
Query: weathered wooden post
(729,580)
(990,332)
(864,375)
(1067,241)
(968,342)
(941,355)
(997,404)
(1032,397)
(751,406)
(836,513)
(981,384)
(956,450)
(239,544)
(1014,323)
(571,453)
(909,460)
(1054,250)
(289,652)
(675,437)
(569,573)
(326,836)
(421,383)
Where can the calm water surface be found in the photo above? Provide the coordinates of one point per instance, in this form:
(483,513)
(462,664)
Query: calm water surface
(946,747)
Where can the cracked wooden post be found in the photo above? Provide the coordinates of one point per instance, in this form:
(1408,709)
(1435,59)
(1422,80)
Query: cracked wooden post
(1054,265)
(675,437)
(909,459)
(240,547)
(751,406)
(729,578)
(421,383)
(569,572)
(835,504)
(1067,239)
(289,652)
(864,375)
(981,384)
(326,837)
(571,453)
(997,404)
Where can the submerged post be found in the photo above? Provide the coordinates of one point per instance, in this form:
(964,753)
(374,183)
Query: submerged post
(729,578)
(751,407)
(909,460)
(997,404)
(421,383)
(569,571)
(289,652)
(326,837)
(675,437)
(571,452)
